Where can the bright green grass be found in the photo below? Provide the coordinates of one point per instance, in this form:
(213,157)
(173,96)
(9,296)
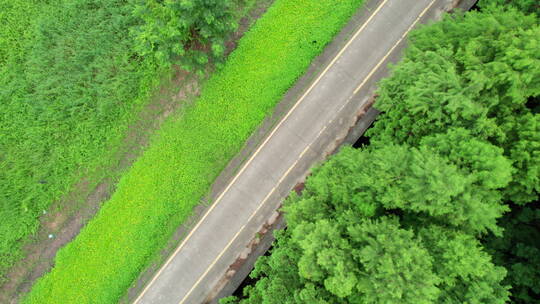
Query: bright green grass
(163,186)
(69,85)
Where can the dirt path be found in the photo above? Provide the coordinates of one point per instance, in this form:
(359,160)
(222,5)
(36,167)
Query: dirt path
(66,217)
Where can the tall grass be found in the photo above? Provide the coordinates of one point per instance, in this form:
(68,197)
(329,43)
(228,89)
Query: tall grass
(69,85)
(163,186)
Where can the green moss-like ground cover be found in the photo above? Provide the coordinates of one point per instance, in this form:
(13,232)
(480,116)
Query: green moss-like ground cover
(163,186)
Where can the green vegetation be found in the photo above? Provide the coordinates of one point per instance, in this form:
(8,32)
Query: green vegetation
(162,187)
(526,6)
(488,83)
(70,84)
(481,69)
(178,31)
(74,74)
(370,227)
(440,207)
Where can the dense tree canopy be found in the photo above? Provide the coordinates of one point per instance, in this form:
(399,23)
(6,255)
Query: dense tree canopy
(416,181)
(381,226)
(465,82)
(527,6)
(476,71)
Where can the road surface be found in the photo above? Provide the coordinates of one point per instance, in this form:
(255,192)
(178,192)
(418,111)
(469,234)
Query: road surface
(288,151)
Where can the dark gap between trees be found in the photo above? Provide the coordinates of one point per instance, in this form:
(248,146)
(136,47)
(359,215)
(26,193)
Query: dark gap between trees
(475,7)
(533,103)
(248,281)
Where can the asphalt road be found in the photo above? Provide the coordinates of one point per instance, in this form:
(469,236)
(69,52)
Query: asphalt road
(288,151)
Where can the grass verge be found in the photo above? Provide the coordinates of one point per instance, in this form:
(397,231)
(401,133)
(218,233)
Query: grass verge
(70,86)
(163,186)
(72,90)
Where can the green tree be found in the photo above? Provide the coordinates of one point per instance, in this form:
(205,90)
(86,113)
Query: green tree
(418,182)
(527,6)
(382,226)
(468,275)
(185,32)
(475,71)
(477,158)
(467,88)
(396,267)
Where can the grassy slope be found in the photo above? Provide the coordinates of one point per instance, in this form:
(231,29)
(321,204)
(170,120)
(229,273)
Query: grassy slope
(69,87)
(162,187)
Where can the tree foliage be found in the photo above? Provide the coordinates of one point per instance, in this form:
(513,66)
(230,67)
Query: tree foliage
(184,32)
(417,181)
(475,71)
(527,6)
(374,226)
(465,82)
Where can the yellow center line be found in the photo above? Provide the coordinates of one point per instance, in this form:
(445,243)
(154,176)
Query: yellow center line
(393,47)
(305,150)
(257,151)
